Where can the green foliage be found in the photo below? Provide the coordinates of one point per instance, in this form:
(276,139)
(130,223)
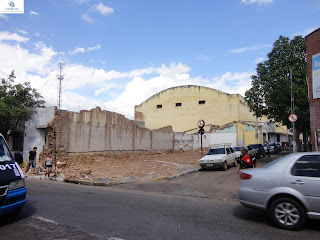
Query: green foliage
(17,104)
(270,94)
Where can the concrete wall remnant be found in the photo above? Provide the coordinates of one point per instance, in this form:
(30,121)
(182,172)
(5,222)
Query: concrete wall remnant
(100,130)
(35,130)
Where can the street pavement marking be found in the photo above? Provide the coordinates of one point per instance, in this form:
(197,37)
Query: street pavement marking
(47,220)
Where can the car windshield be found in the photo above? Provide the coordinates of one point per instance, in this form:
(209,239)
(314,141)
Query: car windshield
(237,148)
(255,145)
(5,154)
(216,151)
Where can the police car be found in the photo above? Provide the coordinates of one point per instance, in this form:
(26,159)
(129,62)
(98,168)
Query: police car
(219,156)
(12,186)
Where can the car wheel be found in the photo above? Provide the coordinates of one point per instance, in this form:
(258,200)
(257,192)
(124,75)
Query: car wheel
(235,163)
(287,213)
(225,166)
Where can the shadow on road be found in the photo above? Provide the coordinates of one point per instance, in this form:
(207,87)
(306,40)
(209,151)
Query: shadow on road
(26,212)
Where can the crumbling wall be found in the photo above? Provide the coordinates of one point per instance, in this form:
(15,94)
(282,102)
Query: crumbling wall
(100,131)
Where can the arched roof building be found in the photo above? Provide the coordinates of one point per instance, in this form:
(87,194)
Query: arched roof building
(182,107)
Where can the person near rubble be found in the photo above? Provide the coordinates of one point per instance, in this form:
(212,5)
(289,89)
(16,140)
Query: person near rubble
(246,160)
(48,166)
(32,159)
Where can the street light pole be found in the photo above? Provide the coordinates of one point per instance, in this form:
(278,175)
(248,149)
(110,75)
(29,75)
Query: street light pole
(292,112)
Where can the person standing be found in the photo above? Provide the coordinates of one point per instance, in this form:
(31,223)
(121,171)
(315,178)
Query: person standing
(268,148)
(32,159)
(246,160)
(48,166)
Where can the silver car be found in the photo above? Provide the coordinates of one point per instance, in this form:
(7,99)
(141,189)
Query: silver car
(287,188)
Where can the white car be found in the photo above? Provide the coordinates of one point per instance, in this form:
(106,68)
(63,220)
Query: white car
(219,157)
(251,151)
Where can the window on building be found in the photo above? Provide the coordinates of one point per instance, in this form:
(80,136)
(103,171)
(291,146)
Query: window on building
(178,104)
(202,102)
(159,106)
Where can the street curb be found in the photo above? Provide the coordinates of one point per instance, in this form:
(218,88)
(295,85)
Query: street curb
(41,177)
(108,183)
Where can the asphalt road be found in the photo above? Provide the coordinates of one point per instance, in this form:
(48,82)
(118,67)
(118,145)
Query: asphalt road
(201,205)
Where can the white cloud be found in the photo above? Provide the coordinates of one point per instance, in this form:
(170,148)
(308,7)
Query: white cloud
(21,60)
(4,16)
(104,10)
(86,17)
(203,57)
(12,37)
(259,60)
(104,89)
(256,1)
(93,48)
(138,90)
(39,67)
(33,13)
(244,49)
(82,1)
(232,83)
(78,50)
(75,102)
(83,50)
(22,31)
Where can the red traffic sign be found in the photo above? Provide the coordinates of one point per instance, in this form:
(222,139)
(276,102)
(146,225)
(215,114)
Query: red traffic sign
(201,123)
(293,117)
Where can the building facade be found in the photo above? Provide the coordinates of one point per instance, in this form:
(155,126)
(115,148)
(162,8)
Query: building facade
(181,107)
(313,65)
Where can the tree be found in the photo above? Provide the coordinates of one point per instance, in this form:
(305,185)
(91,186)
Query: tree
(17,104)
(270,94)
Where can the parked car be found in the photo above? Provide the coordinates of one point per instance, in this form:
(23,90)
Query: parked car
(251,151)
(12,187)
(288,189)
(260,150)
(237,150)
(219,157)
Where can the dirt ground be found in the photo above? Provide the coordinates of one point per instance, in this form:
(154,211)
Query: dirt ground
(131,166)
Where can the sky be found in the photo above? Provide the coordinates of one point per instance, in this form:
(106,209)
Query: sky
(118,53)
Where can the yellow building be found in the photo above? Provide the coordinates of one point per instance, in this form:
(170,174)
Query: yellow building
(183,106)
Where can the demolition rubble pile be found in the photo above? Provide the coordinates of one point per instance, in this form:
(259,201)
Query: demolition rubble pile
(136,166)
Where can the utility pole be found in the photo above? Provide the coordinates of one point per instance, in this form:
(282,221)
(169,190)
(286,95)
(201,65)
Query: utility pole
(55,152)
(257,135)
(292,112)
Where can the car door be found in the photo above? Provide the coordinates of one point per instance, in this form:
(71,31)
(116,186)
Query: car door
(233,155)
(251,150)
(228,155)
(305,178)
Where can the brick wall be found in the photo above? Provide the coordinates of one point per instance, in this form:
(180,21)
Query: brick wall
(313,47)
